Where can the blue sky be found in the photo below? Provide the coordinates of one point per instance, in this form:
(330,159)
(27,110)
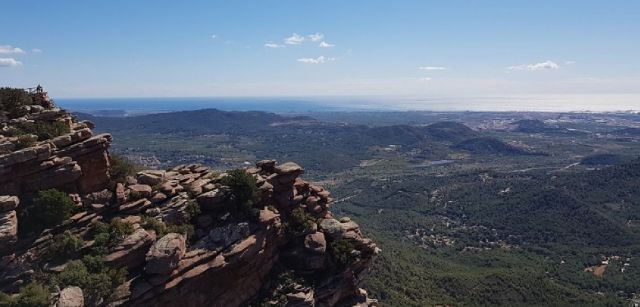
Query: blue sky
(371,48)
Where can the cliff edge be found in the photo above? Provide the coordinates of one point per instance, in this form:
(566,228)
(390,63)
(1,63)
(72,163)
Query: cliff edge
(79,227)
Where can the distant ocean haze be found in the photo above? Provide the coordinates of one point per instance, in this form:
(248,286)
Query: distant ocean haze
(561,103)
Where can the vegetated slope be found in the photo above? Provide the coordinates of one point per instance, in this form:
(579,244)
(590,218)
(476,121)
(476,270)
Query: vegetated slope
(531,126)
(567,209)
(490,145)
(605,159)
(485,238)
(320,146)
(195,122)
(627,132)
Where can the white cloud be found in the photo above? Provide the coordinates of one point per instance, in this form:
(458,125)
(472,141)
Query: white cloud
(569,62)
(316,37)
(324,44)
(214,36)
(8,49)
(319,60)
(294,39)
(9,62)
(432,68)
(273,45)
(36,50)
(548,65)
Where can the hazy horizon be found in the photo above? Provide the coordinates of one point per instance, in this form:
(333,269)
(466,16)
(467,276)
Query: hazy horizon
(294,104)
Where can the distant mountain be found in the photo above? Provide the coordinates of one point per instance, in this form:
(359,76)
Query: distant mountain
(270,135)
(397,134)
(450,131)
(489,145)
(195,122)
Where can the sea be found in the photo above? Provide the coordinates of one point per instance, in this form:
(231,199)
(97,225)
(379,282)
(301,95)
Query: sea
(300,105)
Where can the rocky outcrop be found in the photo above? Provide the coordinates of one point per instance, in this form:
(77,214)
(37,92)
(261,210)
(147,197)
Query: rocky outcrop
(8,229)
(76,161)
(187,236)
(8,222)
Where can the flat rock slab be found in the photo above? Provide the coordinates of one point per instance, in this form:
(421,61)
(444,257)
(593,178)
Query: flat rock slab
(8,203)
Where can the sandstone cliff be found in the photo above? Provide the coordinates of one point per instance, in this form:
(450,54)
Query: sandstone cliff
(187,236)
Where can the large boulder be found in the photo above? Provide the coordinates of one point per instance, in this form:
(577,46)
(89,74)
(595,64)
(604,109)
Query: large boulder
(212,200)
(332,228)
(340,229)
(141,190)
(70,297)
(131,252)
(289,168)
(315,243)
(151,177)
(165,254)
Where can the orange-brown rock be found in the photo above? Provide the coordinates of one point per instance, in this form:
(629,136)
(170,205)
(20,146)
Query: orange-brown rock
(233,256)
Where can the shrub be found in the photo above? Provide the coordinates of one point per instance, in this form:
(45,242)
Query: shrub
(341,250)
(6,300)
(121,168)
(300,222)
(191,211)
(24,141)
(33,295)
(185,229)
(63,246)
(108,236)
(44,130)
(150,223)
(244,191)
(285,283)
(96,279)
(50,208)
(13,99)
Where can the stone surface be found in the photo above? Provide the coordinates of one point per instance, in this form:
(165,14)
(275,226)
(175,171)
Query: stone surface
(121,196)
(8,229)
(315,243)
(164,255)
(151,177)
(8,203)
(131,252)
(141,190)
(332,228)
(70,297)
(289,168)
(158,197)
(224,236)
(212,200)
